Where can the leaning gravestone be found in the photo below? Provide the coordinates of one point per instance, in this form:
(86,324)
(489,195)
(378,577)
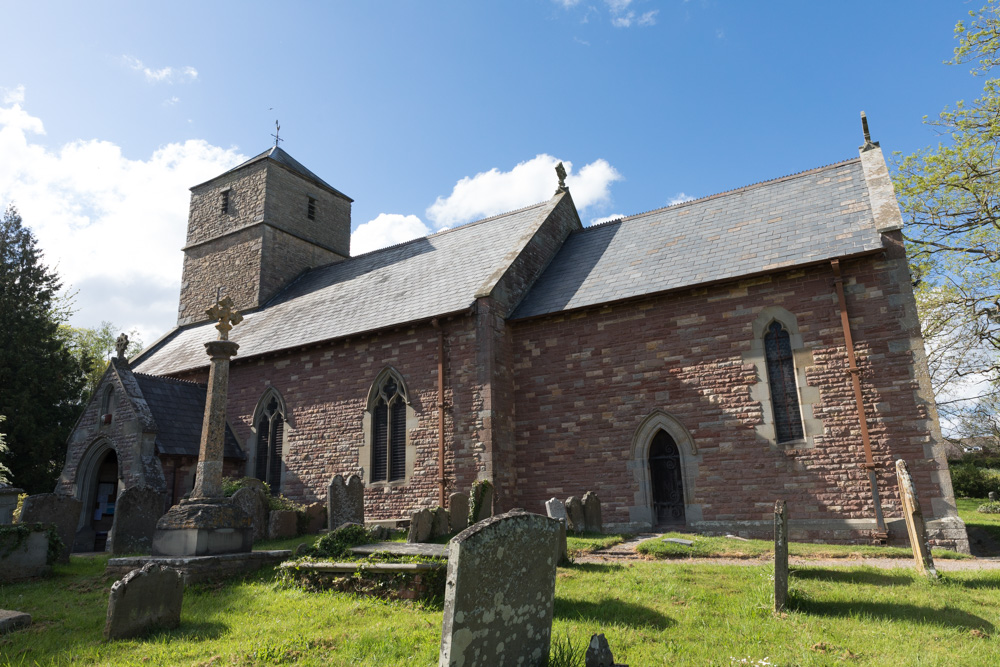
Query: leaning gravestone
(144,599)
(574,514)
(440,523)
(253,501)
(592,521)
(557,510)
(8,503)
(63,511)
(914,522)
(500,592)
(421,525)
(345,501)
(458,512)
(780,555)
(136,512)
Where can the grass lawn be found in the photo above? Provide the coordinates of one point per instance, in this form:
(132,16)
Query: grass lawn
(724,547)
(990,523)
(652,613)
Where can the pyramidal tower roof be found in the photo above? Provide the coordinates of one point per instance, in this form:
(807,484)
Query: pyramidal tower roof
(280,156)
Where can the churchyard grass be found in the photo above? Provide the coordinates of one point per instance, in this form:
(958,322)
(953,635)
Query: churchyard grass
(585,543)
(724,547)
(652,613)
(989,523)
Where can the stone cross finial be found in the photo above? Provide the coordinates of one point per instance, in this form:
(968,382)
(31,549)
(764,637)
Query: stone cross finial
(869,144)
(121,345)
(227,316)
(561,173)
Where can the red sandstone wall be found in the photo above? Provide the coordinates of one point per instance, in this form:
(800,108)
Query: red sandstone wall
(585,380)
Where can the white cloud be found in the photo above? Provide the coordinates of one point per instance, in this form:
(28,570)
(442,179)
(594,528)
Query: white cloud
(679,198)
(173,100)
(112,227)
(649,18)
(607,218)
(385,230)
(162,75)
(13,96)
(567,3)
(621,14)
(494,191)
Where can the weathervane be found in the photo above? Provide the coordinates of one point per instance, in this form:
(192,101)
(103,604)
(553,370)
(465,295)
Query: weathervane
(561,173)
(277,131)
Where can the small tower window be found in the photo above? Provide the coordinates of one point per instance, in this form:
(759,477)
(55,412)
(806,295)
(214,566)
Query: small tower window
(311,210)
(225,201)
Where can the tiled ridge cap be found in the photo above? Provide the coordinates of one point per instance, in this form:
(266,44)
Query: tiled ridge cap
(724,193)
(169,379)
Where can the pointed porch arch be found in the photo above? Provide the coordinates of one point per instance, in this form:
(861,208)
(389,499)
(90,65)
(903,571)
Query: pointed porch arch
(642,512)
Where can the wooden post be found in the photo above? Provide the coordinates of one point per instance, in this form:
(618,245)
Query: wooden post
(914,522)
(780,555)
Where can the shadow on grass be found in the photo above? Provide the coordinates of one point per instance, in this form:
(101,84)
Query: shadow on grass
(984,581)
(598,568)
(893,611)
(188,630)
(853,576)
(609,611)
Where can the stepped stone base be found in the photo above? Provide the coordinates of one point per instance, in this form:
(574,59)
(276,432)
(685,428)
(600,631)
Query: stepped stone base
(203,527)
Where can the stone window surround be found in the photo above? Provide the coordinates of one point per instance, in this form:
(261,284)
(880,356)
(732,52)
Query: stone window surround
(107,404)
(365,451)
(258,411)
(638,463)
(761,392)
(225,200)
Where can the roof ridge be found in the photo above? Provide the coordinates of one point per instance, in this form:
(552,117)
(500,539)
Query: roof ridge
(745,188)
(169,379)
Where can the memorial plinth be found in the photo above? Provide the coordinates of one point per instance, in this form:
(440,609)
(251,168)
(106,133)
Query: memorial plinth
(208,523)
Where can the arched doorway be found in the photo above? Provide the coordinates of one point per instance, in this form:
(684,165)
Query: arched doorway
(666,480)
(100,504)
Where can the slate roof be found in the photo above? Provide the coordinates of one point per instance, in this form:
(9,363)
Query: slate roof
(436,275)
(283,158)
(179,409)
(808,217)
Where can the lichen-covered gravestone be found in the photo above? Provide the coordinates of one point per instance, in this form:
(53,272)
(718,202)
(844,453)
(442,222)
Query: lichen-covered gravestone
(557,510)
(136,512)
(458,511)
(283,524)
(253,501)
(481,501)
(421,525)
(500,592)
(345,501)
(592,521)
(63,511)
(440,523)
(144,599)
(574,514)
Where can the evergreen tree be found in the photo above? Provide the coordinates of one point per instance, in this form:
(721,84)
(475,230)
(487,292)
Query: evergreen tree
(40,379)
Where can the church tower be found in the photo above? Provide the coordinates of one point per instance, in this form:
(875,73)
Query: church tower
(256,227)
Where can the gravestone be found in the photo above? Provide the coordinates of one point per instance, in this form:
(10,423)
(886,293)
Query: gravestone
(440,523)
(458,511)
(137,510)
(780,555)
(557,510)
(592,521)
(315,517)
(914,522)
(23,558)
(13,620)
(421,524)
(598,652)
(144,599)
(253,501)
(500,592)
(481,501)
(8,503)
(574,514)
(63,511)
(345,501)
(283,524)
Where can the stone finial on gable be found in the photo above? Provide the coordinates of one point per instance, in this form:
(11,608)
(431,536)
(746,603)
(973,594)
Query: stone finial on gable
(121,346)
(561,173)
(869,144)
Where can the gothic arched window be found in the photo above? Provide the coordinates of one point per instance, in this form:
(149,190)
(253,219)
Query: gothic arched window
(781,382)
(387,406)
(270,427)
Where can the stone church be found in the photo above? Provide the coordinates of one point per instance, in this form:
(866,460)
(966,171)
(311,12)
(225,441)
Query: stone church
(691,364)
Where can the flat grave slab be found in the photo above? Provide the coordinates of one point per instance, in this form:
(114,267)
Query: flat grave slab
(202,568)
(403,549)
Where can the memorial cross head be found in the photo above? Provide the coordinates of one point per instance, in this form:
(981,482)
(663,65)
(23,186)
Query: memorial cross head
(121,345)
(227,316)
(561,173)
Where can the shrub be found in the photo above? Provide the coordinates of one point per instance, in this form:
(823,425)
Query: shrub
(992,507)
(971,481)
(337,543)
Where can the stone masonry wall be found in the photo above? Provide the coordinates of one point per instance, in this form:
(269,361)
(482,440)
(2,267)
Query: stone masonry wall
(233,263)
(585,380)
(286,208)
(246,204)
(286,257)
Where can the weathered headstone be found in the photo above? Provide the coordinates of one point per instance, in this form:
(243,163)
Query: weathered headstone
(599,652)
(8,503)
(253,501)
(458,511)
(13,620)
(345,500)
(136,512)
(780,555)
(574,514)
(316,514)
(557,510)
(23,558)
(283,524)
(481,501)
(63,511)
(440,523)
(421,524)
(592,521)
(500,592)
(144,599)
(914,522)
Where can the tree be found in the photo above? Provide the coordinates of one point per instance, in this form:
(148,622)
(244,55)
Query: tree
(4,470)
(950,196)
(40,379)
(93,349)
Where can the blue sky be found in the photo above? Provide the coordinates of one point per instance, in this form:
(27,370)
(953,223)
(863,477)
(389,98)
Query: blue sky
(432,114)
